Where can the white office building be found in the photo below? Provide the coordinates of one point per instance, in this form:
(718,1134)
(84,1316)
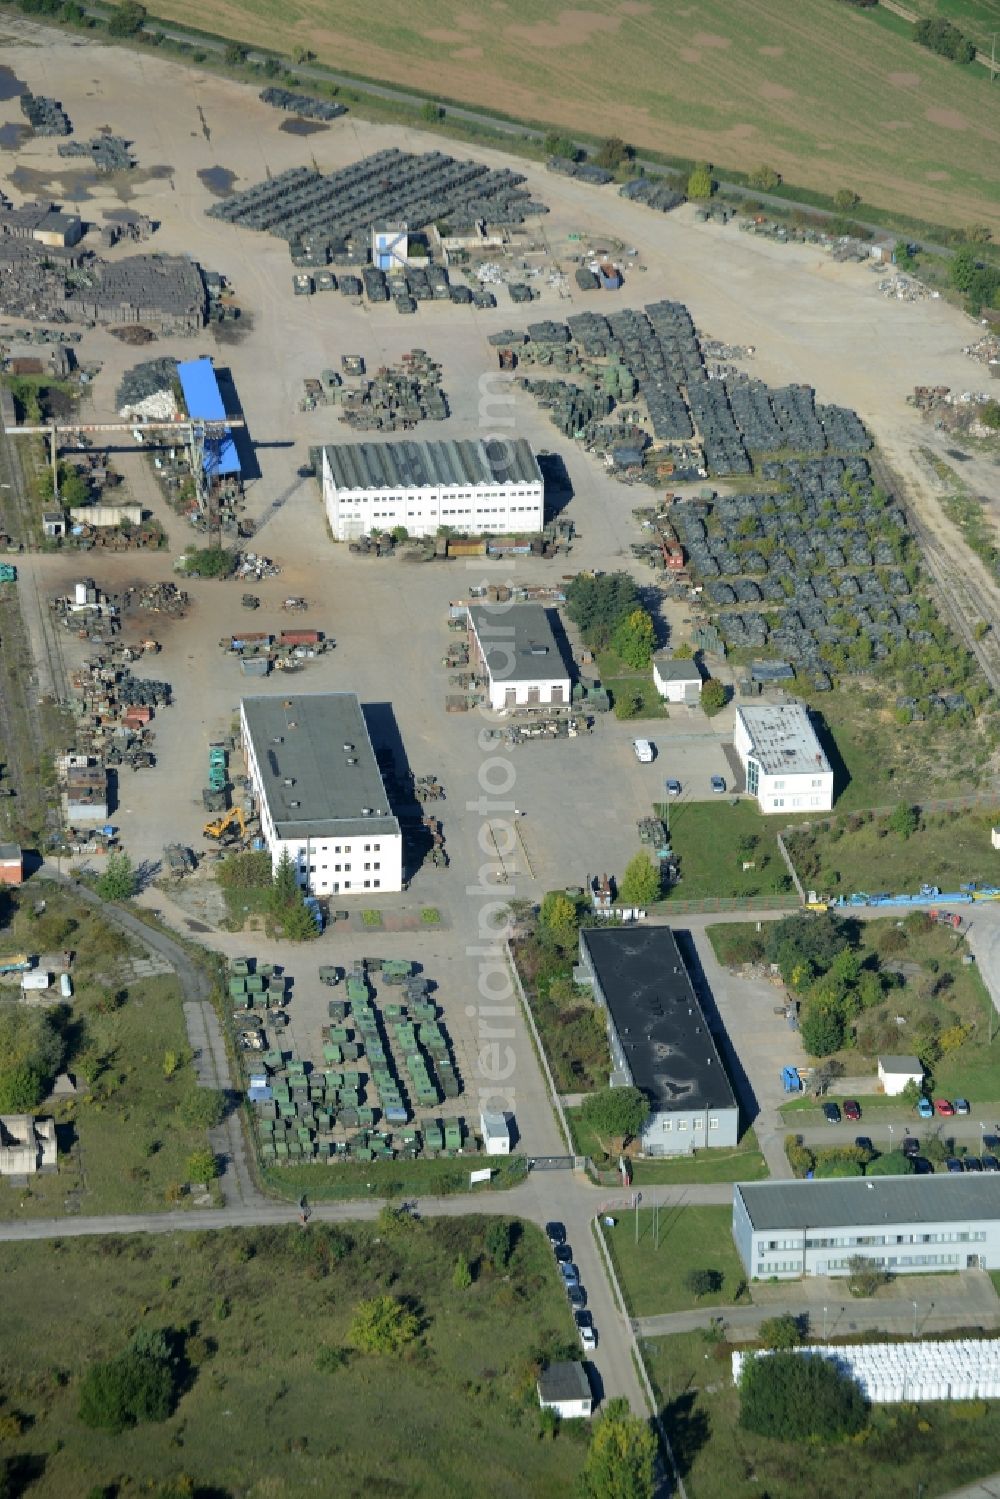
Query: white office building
(474,488)
(515,646)
(785,767)
(903,1224)
(320,793)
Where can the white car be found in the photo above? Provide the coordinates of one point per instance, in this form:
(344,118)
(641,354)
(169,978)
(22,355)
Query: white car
(644,751)
(585,1327)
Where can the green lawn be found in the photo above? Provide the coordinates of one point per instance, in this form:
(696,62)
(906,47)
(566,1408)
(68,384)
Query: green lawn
(714,839)
(352,1179)
(254,1309)
(621,680)
(909,1450)
(123,1142)
(861,853)
(690,1238)
(745,1163)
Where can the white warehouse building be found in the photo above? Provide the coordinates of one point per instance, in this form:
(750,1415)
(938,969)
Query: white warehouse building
(320,793)
(475,488)
(784,763)
(516,648)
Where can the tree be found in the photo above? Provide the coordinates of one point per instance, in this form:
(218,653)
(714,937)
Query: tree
(235,54)
(893,1163)
(560,145)
(629,704)
(903,821)
(209,562)
(703,1282)
(684,651)
(298,923)
(963,268)
(202,1166)
(780,1333)
(118,881)
(399,533)
(765,178)
(21,1090)
(910,1095)
(613,153)
(822,1030)
(382,1325)
(137,1385)
(126,19)
(499,1242)
(700,184)
(621,1456)
(616,1113)
(641,883)
(713,696)
(203,1108)
(634,638)
(596,605)
(31,1053)
(798,1397)
(844,199)
(558,919)
(864,1277)
(936,1150)
(285,889)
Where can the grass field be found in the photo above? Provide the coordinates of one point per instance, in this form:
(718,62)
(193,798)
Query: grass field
(745,1163)
(694,1238)
(711,840)
(390,1179)
(260,1413)
(948,849)
(819,91)
(123,1143)
(622,682)
(909,1450)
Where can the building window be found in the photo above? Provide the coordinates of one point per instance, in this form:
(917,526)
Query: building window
(682,1124)
(368,884)
(376,865)
(667,1126)
(367,867)
(377,884)
(779,785)
(713,1124)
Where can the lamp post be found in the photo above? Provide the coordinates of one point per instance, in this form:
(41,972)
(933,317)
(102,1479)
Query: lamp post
(914,1319)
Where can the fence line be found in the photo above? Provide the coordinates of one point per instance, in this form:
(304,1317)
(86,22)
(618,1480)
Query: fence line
(791,868)
(540,1050)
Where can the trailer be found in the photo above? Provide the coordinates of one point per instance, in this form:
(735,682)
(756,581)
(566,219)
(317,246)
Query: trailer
(16,963)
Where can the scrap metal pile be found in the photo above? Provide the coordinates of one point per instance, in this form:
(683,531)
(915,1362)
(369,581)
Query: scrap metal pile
(108,153)
(652,192)
(45,116)
(392,184)
(583,171)
(812,570)
(654,358)
(149,390)
(397,398)
(113,710)
(302,104)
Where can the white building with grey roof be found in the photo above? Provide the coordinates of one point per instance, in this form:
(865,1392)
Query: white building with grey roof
(516,648)
(903,1224)
(786,768)
(474,488)
(320,793)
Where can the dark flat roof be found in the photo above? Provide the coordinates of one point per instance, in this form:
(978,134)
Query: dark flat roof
(301,738)
(838,1203)
(660,1024)
(518,642)
(418,465)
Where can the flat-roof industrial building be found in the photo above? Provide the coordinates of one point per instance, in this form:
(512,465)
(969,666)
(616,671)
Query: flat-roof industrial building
(516,647)
(475,488)
(785,766)
(904,1224)
(320,792)
(659,1037)
(203,399)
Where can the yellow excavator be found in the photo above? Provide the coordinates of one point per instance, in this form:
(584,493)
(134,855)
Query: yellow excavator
(220,827)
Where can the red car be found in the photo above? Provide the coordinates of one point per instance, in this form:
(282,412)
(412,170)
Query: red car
(944,1107)
(852,1109)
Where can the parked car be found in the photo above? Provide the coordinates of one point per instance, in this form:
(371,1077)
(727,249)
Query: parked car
(925,1108)
(585,1326)
(910,1145)
(953,1163)
(564,1254)
(962,1106)
(972,1163)
(577,1297)
(852,1110)
(673,786)
(555,1233)
(644,751)
(862,1142)
(718,785)
(831,1113)
(944,1107)
(570,1274)
(921,1166)
(990,1163)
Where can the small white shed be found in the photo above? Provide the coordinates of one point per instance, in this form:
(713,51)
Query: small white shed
(565,1389)
(895,1072)
(496,1134)
(677,681)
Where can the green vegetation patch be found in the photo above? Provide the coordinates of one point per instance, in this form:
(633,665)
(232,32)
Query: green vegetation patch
(713,840)
(745,1163)
(867,852)
(691,1239)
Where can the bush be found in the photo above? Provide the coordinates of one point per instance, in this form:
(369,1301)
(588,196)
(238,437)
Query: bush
(211,562)
(118,881)
(703,1282)
(800,1157)
(822,1030)
(800,1397)
(371,918)
(621,1457)
(126,19)
(203,1108)
(202,1166)
(499,1243)
(138,1385)
(382,1325)
(904,821)
(629,705)
(713,697)
(700,184)
(893,1163)
(31,1053)
(864,1277)
(642,882)
(765,178)
(780,1333)
(430,916)
(235,54)
(844,199)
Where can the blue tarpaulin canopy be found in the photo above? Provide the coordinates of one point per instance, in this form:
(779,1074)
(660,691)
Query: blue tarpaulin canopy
(204,401)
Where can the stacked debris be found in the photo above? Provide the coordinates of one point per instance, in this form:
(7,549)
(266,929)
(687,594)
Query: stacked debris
(397,397)
(107,153)
(150,391)
(160,598)
(583,171)
(652,192)
(45,116)
(302,104)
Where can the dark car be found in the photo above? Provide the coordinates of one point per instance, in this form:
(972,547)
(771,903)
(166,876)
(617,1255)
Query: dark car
(577,1297)
(921,1166)
(911,1145)
(831,1113)
(555,1233)
(564,1253)
(990,1163)
(972,1163)
(862,1142)
(852,1110)
(953,1163)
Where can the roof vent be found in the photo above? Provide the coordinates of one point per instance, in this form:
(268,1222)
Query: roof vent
(348,747)
(289,781)
(294,804)
(352,759)
(366,811)
(287,703)
(277,739)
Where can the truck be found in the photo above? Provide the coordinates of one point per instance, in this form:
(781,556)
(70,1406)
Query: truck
(643,751)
